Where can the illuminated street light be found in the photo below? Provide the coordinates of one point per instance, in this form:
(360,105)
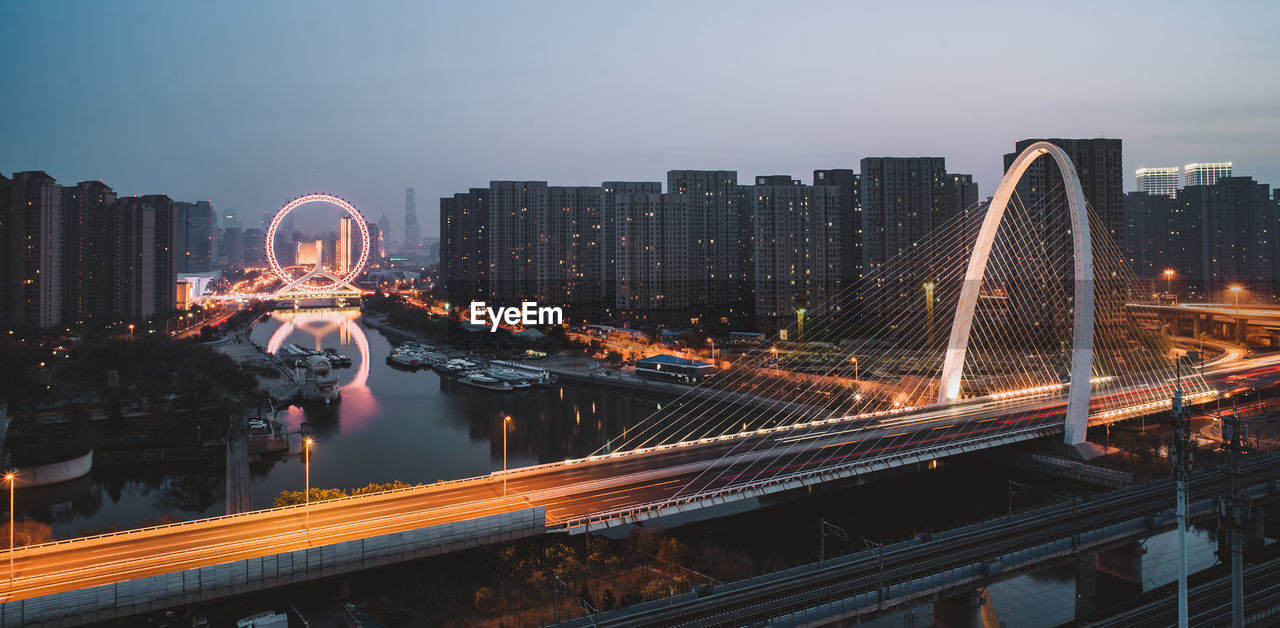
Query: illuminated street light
(1168,275)
(506,420)
(12,477)
(130,331)
(854,359)
(306,456)
(1236,291)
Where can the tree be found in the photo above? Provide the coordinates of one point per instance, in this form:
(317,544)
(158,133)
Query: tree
(26,533)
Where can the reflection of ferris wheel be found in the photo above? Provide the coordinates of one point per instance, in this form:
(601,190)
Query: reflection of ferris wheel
(301,283)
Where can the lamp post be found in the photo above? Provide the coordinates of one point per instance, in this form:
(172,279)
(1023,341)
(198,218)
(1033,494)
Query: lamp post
(506,420)
(1168,277)
(130,331)
(306,457)
(12,477)
(854,359)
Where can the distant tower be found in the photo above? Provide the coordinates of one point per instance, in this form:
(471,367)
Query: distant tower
(384,228)
(412,233)
(342,250)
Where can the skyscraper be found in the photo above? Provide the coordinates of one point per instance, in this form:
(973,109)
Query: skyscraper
(344,254)
(568,250)
(1158,181)
(194,236)
(464,246)
(1207,173)
(1154,240)
(31,225)
(609,191)
(87,210)
(309,253)
(651,259)
(1229,239)
(714,215)
(1100,168)
(412,233)
(903,199)
(514,211)
(165,286)
(797,249)
(850,209)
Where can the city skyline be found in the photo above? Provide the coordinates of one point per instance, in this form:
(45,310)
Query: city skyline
(443,124)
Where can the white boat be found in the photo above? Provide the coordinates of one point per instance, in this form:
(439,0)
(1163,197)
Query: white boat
(454,366)
(509,376)
(534,375)
(480,380)
(404,360)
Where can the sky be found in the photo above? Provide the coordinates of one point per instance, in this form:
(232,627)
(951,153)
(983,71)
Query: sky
(250,104)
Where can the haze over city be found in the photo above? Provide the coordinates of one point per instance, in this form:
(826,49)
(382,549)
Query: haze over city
(250,104)
(639,314)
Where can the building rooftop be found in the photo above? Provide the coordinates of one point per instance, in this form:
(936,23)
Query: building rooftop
(672,359)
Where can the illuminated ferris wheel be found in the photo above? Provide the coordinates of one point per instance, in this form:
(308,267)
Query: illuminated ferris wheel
(304,283)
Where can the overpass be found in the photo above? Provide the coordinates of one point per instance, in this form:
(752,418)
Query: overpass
(1220,320)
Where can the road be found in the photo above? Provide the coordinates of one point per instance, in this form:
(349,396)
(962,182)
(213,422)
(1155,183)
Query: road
(567,490)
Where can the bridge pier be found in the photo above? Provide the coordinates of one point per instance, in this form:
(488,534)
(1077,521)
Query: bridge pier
(972,609)
(1242,335)
(1119,572)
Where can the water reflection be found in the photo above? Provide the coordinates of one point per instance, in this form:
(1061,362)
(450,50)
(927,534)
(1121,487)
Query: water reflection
(359,404)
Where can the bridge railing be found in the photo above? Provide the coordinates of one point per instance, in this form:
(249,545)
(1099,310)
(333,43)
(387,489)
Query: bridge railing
(882,463)
(263,512)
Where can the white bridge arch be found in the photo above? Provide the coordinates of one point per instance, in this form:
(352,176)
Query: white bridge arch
(1077,421)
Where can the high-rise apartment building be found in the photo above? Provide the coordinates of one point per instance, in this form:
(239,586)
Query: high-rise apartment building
(87,212)
(464,246)
(850,208)
(1154,227)
(1158,181)
(714,214)
(343,252)
(651,259)
(1207,173)
(412,232)
(165,290)
(609,191)
(1228,238)
(31,227)
(797,249)
(1100,167)
(568,250)
(515,208)
(903,199)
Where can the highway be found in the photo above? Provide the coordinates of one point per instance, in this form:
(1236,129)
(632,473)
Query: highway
(568,491)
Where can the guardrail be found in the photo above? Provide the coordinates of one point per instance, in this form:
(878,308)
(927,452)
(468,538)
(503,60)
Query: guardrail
(636,512)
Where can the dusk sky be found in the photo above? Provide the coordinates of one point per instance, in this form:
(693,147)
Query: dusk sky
(251,104)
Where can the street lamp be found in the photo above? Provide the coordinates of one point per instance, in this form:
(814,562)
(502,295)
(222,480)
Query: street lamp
(1168,276)
(854,359)
(506,420)
(306,457)
(130,331)
(12,477)
(1235,290)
